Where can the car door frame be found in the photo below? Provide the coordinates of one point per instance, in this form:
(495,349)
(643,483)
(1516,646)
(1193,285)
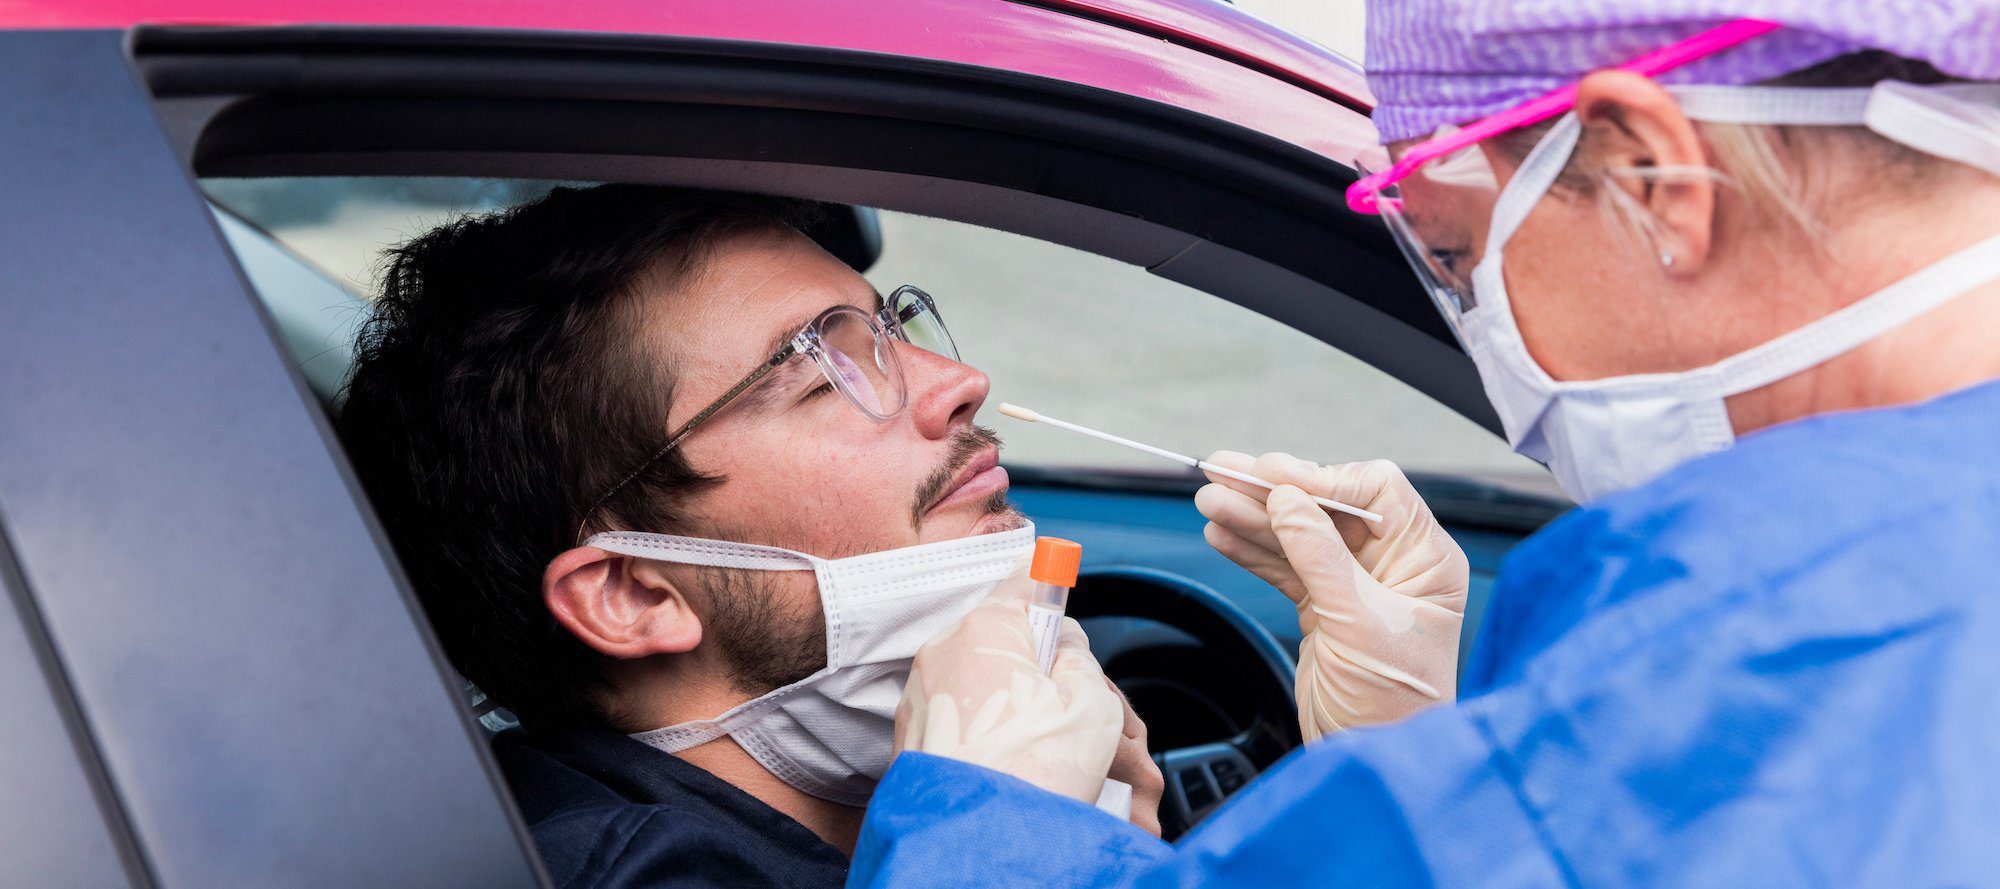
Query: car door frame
(247,695)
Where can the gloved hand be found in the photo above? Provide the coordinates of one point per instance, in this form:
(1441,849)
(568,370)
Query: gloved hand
(1134,765)
(1380,605)
(976,694)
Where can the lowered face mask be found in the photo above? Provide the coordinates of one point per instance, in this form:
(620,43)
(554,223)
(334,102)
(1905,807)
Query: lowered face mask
(831,734)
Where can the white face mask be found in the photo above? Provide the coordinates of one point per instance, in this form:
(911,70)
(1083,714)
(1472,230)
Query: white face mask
(831,733)
(1603,436)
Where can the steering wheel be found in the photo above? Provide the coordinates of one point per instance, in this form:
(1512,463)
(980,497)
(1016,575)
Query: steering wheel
(1258,670)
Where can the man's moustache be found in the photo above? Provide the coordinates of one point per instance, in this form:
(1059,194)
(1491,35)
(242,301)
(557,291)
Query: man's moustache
(966,444)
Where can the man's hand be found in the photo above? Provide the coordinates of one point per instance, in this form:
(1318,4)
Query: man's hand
(1134,765)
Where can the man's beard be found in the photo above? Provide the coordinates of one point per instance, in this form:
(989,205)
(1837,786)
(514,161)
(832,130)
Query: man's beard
(765,650)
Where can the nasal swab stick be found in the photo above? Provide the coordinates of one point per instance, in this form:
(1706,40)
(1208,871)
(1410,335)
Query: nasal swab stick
(1020,413)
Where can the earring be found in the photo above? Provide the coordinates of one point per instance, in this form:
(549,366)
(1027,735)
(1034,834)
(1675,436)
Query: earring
(1666,259)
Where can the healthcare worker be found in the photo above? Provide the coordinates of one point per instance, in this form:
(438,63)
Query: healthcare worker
(1737,281)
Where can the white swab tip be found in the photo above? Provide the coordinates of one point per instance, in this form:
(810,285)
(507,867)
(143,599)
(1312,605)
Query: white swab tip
(1018,412)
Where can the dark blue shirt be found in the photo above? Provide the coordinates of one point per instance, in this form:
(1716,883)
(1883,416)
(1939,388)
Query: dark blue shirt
(608,811)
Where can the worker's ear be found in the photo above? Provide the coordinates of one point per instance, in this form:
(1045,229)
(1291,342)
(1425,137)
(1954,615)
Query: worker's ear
(620,606)
(1655,156)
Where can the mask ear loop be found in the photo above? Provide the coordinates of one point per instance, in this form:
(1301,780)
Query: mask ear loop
(1538,173)
(1531,182)
(1956,122)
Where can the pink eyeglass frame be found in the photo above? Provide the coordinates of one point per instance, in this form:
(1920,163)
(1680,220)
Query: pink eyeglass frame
(1364,196)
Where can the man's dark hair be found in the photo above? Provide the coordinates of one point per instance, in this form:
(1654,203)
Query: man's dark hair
(501,386)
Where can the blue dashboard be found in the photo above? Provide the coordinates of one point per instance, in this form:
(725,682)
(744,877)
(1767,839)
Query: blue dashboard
(1161,531)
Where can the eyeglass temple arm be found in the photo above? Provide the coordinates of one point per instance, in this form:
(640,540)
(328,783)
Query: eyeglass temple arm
(1364,195)
(674,440)
(916,306)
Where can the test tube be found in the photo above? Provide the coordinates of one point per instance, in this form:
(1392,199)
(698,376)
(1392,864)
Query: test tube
(1054,573)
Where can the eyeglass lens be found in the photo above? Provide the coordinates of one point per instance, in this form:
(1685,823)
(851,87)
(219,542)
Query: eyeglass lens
(860,364)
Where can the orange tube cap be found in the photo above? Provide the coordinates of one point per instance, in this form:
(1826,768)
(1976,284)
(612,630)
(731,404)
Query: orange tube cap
(1056,561)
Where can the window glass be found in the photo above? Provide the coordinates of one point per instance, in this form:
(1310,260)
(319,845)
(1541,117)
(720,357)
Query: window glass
(1078,336)
(312,248)
(341,225)
(1112,346)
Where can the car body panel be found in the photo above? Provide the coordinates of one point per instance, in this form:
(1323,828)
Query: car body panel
(1008,36)
(71,838)
(259,693)
(1231,33)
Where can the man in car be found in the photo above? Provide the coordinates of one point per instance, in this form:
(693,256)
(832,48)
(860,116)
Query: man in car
(543,396)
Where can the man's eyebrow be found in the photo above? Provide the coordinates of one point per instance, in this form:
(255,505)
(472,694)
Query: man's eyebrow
(786,333)
(779,377)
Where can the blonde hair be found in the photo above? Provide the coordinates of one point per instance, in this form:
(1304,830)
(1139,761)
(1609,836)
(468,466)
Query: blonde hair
(1787,177)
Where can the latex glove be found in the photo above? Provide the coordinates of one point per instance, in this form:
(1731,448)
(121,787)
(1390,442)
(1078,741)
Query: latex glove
(1134,765)
(976,694)
(1380,605)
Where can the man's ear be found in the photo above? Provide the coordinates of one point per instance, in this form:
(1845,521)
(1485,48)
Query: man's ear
(1635,124)
(620,606)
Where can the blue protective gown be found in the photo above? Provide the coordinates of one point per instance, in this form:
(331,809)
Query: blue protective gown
(1776,666)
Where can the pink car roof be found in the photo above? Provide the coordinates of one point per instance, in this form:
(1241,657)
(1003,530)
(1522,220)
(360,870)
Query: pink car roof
(1196,54)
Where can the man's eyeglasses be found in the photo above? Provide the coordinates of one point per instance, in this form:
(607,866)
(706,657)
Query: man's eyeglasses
(855,353)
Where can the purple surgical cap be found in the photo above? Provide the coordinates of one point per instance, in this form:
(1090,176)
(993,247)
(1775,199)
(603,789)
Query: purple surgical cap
(1437,62)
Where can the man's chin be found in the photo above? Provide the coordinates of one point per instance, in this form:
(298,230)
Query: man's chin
(1000,516)
(991,516)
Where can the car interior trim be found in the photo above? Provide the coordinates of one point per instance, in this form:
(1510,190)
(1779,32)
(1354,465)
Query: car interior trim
(304,101)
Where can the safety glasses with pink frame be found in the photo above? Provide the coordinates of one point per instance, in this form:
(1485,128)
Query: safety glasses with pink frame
(1445,268)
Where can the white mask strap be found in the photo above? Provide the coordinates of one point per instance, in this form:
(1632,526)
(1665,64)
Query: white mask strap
(1954,121)
(1886,310)
(1774,105)
(1959,122)
(1538,172)
(697,551)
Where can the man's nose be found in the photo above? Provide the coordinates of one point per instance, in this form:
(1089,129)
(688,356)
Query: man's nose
(944,394)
